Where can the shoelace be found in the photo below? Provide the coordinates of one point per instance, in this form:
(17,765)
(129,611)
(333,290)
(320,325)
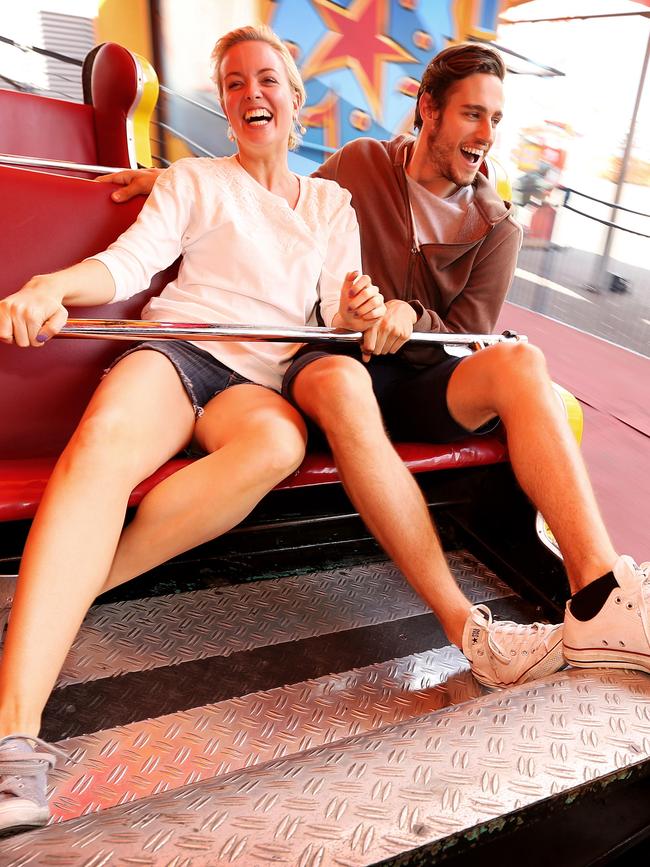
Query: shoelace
(28,762)
(517,630)
(644,571)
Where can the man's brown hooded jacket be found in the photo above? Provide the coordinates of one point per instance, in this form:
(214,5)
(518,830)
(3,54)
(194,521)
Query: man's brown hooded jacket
(454,287)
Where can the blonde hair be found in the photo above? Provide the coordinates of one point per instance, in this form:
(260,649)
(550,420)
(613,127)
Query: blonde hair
(260,33)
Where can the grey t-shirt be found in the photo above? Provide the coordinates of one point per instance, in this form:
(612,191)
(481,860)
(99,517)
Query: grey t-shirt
(438,220)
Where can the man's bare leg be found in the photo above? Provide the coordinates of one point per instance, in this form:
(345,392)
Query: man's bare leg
(336,393)
(511,381)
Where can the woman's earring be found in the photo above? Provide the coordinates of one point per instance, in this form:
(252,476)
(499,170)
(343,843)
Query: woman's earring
(230,134)
(299,128)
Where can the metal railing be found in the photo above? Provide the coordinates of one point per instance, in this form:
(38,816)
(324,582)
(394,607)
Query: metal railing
(569,191)
(564,272)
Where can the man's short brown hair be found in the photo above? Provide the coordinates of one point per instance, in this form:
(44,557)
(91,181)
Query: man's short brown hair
(452,64)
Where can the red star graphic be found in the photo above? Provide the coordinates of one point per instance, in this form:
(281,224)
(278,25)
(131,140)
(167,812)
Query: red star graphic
(357,41)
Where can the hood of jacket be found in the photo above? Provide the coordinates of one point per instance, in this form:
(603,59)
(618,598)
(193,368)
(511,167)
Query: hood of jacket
(490,209)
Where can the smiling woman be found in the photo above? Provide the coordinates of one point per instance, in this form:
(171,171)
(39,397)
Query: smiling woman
(159,398)
(262,109)
(240,87)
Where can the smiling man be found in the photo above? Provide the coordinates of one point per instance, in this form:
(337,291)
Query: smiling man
(442,246)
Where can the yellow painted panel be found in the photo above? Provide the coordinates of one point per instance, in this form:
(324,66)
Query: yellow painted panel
(126,22)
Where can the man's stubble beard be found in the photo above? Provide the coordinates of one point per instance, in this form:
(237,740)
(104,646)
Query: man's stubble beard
(441,158)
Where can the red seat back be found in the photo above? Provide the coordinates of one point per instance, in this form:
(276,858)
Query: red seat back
(97,133)
(49,222)
(113,85)
(39,126)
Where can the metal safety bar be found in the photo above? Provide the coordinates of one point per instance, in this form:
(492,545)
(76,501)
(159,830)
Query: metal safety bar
(36,162)
(135,329)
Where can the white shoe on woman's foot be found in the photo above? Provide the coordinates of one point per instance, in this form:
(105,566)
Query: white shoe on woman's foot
(24,764)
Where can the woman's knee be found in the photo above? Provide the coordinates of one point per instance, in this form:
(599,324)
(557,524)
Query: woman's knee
(101,430)
(279,442)
(104,437)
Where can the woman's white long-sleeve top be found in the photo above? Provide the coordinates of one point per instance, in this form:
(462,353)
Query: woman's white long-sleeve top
(247,257)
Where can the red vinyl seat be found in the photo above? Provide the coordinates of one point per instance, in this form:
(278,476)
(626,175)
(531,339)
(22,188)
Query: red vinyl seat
(22,481)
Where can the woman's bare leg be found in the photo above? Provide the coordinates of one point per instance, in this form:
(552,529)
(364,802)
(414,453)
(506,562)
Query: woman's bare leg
(254,439)
(139,416)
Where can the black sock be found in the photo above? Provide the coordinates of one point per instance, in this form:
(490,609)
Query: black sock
(586,603)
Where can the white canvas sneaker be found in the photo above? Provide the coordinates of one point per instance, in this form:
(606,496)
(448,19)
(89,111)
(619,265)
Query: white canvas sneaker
(24,765)
(619,635)
(502,653)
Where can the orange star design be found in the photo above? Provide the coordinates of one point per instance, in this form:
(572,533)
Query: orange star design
(325,115)
(356,41)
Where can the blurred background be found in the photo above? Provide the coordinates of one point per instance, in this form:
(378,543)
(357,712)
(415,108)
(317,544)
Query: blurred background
(574,143)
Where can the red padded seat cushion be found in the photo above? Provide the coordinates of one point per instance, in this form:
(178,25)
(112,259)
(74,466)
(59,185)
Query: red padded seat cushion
(22,482)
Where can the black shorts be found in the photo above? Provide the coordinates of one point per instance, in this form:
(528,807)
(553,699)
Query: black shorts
(412,398)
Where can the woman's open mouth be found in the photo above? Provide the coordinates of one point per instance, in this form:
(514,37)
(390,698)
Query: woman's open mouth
(258,117)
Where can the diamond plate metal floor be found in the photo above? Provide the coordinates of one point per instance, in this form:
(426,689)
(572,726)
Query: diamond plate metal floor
(138,760)
(168,630)
(369,797)
(343,765)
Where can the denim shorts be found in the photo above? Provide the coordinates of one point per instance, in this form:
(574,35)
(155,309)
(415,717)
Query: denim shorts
(412,398)
(203,376)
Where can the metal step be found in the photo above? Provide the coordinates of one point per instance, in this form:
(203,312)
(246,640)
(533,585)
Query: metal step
(143,758)
(367,798)
(168,630)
